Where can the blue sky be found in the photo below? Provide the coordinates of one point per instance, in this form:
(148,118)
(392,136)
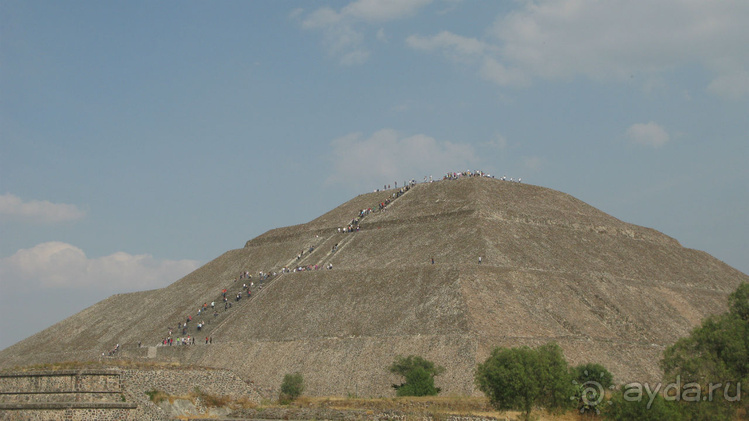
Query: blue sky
(139,140)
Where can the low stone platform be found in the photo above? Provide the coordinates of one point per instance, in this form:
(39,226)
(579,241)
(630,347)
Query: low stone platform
(63,394)
(115,393)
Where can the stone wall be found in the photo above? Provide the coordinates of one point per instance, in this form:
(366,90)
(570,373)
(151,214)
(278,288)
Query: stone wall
(72,414)
(178,382)
(110,394)
(102,381)
(68,394)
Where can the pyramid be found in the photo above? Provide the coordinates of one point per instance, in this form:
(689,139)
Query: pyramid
(408,280)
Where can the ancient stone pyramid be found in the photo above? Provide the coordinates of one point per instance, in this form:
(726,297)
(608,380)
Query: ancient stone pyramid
(553,269)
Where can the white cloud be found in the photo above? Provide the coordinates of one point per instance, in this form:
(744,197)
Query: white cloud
(614,40)
(533,163)
(320,18)
(296,13)
(60,265)
(471,51)
(731,85)
(499,142)
(450,5)
(383,10)
(388,156)
(454,46)
(342,40)
(381,35)
(13,207)
(403,106)
(342,33)
(650,134)
(496,72)
(354,58)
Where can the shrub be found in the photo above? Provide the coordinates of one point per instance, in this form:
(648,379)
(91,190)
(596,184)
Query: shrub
(591,382)
(738,302)
(156,396)
(521,378)
(715,353)
(623,409)
(419,374)
(592,372)
(291,387)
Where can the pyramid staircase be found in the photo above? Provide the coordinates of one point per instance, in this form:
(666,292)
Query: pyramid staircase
(333,243)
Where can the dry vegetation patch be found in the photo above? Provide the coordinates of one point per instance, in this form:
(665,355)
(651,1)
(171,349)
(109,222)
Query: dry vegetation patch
(457,405)
(428,407)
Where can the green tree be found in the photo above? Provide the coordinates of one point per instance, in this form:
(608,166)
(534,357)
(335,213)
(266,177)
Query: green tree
(592,372)
(291,387)
(623,409)
(738,302)
(715,353)
(522,378)
(419,374)
(591,381)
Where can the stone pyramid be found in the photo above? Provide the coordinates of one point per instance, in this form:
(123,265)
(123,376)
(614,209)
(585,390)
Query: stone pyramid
(552,269)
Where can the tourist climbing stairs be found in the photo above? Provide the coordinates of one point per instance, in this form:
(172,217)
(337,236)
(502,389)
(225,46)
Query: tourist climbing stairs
(214,317)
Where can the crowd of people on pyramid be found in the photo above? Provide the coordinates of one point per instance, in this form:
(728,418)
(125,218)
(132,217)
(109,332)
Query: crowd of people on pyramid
(353,226)
(246,291)
(309,251)
(180,340)
(112,351)
(311,267)
(452,176)
(183,328)
(263,277)
(477,173)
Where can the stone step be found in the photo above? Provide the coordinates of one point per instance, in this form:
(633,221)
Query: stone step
(69,396)
(67,405)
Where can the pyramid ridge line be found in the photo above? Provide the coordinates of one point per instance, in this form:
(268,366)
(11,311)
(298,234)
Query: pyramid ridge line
(553,267)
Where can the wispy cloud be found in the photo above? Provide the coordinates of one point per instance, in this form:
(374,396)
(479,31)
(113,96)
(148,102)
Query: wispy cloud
(382,10)
(731,85)
(381,35)
(559,39)
(533,163)
(388,156)
(498,142)
(60,265)
(39,211)
(496,72)
(471,52)
(343,30)
(648,134)
(453,46)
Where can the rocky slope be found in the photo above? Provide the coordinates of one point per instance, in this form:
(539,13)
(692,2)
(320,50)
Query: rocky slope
(553,269)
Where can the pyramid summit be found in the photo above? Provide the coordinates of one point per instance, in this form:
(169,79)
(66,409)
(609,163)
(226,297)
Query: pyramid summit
(446,270)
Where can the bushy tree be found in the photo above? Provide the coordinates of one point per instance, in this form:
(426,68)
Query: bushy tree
(738,302)
(622,409)
(291,387)
(419,374)
(522,378)
(716,352)
(591,381)
(592,372)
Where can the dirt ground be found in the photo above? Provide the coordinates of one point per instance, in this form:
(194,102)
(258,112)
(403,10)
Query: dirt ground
(438,407)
